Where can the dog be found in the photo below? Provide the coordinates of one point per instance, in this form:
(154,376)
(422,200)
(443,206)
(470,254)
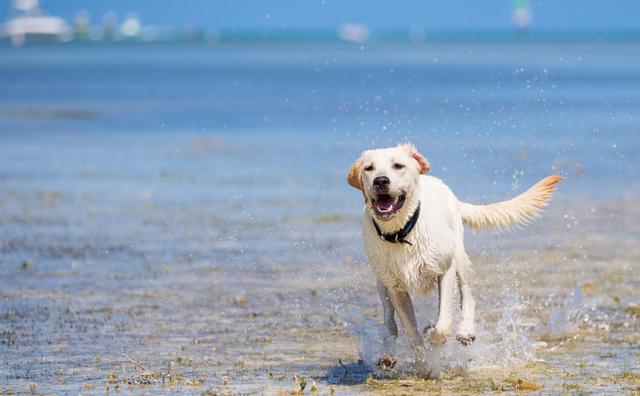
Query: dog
(412,226)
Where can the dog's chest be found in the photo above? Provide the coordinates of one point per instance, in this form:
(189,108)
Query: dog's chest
(413,267)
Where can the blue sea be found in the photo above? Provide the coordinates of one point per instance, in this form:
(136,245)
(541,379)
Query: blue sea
(483,113)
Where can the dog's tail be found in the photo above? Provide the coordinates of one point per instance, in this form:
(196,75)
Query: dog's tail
(519,210)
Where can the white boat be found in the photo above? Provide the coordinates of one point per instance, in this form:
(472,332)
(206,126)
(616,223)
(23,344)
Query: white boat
(353,32)
(31,23)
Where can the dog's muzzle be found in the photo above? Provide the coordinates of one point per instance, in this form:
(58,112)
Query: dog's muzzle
(386,205)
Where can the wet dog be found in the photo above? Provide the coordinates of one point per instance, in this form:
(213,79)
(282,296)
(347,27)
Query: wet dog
(412,225)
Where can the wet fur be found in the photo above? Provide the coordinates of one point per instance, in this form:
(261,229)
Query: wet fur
(436,256)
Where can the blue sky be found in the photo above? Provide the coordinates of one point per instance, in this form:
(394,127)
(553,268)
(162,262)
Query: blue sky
(432,14)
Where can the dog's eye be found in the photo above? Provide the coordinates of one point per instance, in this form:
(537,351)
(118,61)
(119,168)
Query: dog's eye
(398,166)
(368,168)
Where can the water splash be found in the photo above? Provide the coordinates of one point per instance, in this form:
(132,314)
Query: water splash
(373,342)
(564,317)
(499,344)
(504,342)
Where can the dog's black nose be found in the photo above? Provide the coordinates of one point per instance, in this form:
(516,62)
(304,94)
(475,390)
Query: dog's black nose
(381,182)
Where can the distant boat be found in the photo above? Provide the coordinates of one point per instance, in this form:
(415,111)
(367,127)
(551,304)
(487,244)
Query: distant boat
(521,15)
(353,32)
(131,27)
(31,23)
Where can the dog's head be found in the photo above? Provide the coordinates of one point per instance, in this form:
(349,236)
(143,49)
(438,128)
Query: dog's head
(387,178)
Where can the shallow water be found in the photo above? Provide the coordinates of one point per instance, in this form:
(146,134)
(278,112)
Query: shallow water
(187,206)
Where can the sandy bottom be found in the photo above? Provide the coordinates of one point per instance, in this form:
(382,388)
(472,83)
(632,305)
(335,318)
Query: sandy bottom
(558,308)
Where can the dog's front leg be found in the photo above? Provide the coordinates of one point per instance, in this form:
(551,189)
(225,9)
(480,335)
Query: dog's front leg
(389,312)
(446,288)
(387,361)
(401,302)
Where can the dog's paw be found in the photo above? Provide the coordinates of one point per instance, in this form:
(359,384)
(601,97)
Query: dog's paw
(387,363)
(434,336)
(466,339)
(466,334)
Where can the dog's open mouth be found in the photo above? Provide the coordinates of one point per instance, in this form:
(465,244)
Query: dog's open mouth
(385,205)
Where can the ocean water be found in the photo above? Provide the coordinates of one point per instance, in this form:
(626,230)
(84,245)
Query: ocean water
(184,201)
(481,112)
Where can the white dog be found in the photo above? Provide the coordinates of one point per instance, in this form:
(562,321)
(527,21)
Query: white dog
(412,227)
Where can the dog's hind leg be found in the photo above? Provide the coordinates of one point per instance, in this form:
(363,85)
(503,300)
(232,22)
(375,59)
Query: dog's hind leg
(389,312)
(466,329)
(402,304)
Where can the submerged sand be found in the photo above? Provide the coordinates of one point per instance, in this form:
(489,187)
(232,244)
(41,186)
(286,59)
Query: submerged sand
(558,307)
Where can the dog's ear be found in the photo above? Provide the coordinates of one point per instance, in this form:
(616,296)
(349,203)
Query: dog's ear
(353,177)
(423,164)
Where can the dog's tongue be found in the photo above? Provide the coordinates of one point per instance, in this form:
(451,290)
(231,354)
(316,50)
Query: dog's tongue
(383,205)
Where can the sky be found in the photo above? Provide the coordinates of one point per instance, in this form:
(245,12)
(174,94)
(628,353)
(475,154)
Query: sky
(382,14)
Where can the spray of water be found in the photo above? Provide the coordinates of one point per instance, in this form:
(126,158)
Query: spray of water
(563,318)
(498,344)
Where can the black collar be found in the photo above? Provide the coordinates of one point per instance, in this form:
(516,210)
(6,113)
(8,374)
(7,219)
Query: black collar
(399,235)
